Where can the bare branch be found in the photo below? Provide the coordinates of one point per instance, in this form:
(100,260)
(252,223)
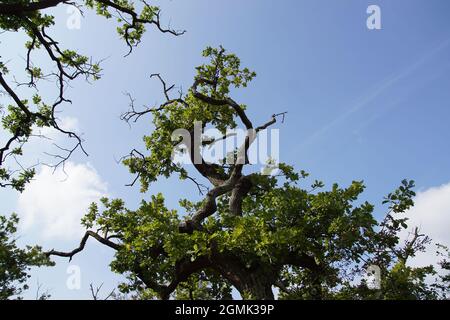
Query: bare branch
(80,248)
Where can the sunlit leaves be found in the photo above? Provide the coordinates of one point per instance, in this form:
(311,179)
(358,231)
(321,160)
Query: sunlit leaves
(15,262)
(331,225)
(401,199)
(66,64)
(222,72)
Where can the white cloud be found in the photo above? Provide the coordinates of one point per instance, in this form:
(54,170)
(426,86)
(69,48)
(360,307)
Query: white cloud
(53,203)
(431,213)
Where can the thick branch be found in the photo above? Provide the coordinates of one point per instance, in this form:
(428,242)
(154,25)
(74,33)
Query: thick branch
(209,206)
(20,8)
(220,102)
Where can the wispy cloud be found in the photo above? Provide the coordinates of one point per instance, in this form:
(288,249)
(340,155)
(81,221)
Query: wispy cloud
(386,84)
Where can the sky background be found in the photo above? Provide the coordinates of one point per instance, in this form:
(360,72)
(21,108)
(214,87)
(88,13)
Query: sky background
(362,104)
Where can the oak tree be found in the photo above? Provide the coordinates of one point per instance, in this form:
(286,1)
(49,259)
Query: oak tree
(253,231)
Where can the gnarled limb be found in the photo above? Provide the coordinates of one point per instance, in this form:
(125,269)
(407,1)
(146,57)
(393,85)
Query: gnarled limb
(83,241)
(220,102)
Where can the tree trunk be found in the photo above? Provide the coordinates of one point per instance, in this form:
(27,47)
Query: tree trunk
(252,283)
(256,286)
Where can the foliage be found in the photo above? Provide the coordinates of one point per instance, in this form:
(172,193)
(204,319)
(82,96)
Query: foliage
(252,231)
(22,118)
(16,262)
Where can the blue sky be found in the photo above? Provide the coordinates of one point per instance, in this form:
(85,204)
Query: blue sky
(362,104)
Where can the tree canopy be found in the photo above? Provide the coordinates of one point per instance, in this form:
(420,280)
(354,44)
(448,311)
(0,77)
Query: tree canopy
(253,231)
